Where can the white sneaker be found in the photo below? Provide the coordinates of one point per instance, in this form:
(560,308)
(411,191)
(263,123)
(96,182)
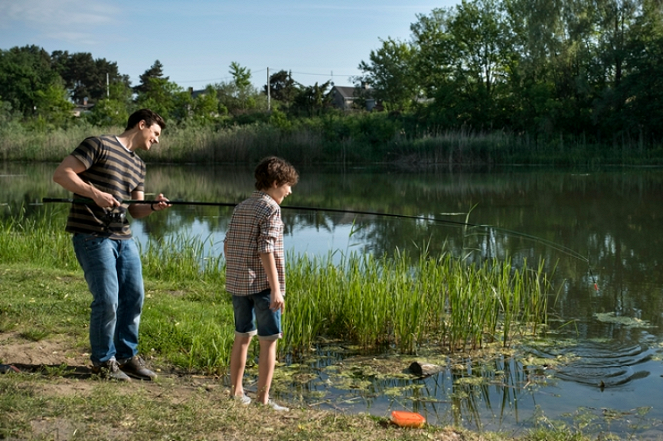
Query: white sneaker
(276,407)
(242,399)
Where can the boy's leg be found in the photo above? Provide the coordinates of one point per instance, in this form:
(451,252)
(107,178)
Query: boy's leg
(266,366)
(238,363)
(244,330)
(269,332)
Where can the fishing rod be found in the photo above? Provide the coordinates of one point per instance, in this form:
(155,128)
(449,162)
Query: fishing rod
(553,245)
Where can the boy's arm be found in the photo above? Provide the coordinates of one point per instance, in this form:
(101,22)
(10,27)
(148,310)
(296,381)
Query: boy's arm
(269,264)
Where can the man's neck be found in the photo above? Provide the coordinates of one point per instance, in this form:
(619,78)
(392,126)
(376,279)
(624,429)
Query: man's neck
(126,139)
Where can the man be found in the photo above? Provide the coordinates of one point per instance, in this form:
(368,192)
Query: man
(106,170)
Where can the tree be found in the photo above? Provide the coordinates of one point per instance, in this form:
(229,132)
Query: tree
(239,95)
(154,72)
(390,74)
(313,99)
(53,105)
(86,77)
(23,72)
(113,110)
(162,96)
(241,76)
(282,87)
(205,106)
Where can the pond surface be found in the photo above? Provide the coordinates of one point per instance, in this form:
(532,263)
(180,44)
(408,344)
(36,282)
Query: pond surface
(604,364)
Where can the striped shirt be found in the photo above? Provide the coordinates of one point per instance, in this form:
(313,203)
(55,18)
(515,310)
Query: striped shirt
(113,169)
(255,227)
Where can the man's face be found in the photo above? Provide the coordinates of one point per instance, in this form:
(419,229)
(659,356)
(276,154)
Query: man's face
(149,135)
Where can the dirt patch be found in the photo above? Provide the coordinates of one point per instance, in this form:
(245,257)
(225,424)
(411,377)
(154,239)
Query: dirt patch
(204,398)
(54,351)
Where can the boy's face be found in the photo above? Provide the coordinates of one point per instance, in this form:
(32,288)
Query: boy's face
(280,192)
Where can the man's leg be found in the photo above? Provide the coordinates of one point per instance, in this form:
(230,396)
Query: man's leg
(97,258)
(130,300)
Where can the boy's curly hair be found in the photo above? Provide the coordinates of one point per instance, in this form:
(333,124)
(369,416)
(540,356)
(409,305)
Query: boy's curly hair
(274,169)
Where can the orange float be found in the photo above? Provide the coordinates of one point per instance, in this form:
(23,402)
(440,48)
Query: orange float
(407,419)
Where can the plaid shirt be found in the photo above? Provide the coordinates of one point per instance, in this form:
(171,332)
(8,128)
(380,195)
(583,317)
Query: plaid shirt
(255,227)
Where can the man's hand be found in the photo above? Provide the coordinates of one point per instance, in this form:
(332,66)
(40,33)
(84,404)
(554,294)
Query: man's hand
(104,200)
(162,203)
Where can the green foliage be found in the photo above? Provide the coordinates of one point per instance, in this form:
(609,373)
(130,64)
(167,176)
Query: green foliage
(23,72)
(282,88)
(164,97)
(313,100)
(545,72)
(86,77)
(391,75)
(52,104)
(109,112)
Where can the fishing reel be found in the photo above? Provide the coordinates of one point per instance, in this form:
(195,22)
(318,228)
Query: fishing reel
(115,218)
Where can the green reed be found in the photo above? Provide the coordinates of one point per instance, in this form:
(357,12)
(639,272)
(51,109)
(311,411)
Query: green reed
(374,301)
(393,301)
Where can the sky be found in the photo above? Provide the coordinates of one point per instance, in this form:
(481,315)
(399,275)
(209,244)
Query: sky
(197,40)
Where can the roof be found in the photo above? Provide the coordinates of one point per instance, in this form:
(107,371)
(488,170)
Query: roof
(346,91)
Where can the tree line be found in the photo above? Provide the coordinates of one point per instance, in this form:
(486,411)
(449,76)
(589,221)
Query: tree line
(587,69)
(580,67)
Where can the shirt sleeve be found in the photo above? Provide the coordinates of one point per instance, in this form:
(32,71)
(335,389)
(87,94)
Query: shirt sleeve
(270,229)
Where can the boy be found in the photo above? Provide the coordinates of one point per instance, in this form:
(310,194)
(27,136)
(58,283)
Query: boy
(255,274)
(106,170)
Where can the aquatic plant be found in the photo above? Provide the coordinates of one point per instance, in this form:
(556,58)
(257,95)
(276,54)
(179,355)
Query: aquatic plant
(378,301)
(374,301)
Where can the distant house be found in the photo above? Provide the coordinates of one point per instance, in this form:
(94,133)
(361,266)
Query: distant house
(344,97)
(196,93)
(80,109)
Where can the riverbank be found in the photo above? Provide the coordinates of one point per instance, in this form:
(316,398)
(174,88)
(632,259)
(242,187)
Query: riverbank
(362,139)
(56,396)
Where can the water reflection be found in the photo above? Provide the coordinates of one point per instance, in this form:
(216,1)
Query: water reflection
(610,217)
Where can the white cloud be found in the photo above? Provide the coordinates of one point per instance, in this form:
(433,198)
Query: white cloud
(68,20)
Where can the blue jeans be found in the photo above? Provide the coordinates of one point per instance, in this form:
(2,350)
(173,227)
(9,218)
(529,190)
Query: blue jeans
(114,275)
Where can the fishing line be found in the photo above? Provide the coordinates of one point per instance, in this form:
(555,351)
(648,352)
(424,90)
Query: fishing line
(561,248)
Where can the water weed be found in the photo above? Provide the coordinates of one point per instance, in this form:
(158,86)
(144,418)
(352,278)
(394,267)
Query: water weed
(376,302)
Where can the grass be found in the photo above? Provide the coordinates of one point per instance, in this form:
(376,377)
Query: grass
(382,302)
(187,332)
(356,138)
(371,301)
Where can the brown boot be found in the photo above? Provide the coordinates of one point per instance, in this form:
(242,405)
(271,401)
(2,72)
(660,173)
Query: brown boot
(135,367)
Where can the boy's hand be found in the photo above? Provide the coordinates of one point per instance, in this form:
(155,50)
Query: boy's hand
(277,301)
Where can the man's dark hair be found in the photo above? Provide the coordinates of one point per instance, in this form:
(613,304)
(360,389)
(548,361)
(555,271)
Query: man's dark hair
(273,169)
(146,115)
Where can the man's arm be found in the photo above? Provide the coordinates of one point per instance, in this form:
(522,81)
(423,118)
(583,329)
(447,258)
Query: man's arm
(269,263)
(143,210)
(67,176)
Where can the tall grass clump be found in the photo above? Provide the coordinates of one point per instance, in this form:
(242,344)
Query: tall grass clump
(181,259)
(38,240)
(392,301)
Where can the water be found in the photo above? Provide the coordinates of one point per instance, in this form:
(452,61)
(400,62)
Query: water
(608,339)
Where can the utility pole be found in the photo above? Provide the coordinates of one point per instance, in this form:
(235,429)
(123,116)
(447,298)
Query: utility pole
(269,97)
(107,87)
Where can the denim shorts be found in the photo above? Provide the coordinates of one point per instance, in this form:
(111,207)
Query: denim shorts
(254,310)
